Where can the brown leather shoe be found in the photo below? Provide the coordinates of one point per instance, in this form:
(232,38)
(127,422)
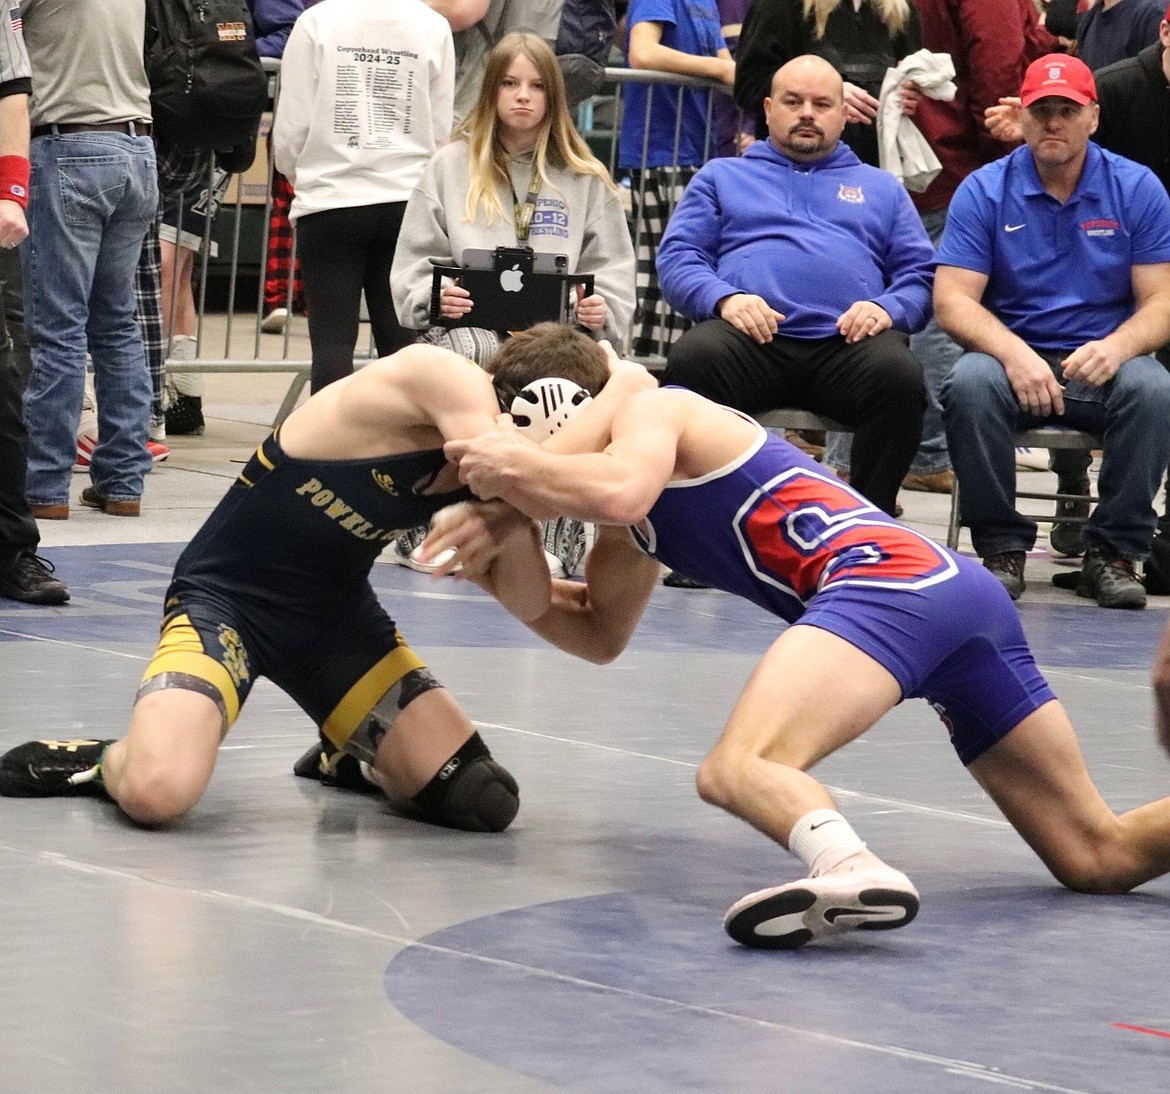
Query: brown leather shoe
(51,512)
(91,498)
(937,482)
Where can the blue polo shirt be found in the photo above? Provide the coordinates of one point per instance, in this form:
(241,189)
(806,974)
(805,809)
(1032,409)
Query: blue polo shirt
(1058,275)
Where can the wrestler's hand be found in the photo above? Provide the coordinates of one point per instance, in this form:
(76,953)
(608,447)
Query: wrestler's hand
(454,301)
(629,375)
(487,463)
(863,320)
(466,538)
(1094,363)
(13,225)
(1036,389)
(751,314)
(1003,120)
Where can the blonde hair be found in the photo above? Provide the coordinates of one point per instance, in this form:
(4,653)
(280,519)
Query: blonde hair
(557,141)
(894,14)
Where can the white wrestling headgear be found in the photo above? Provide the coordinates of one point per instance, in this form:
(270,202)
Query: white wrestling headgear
(544,406)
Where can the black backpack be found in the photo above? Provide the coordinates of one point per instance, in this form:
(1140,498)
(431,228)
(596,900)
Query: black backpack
(207,86)
(584,39)
(587,27)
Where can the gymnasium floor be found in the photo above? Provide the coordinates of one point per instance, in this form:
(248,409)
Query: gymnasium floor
(290,939)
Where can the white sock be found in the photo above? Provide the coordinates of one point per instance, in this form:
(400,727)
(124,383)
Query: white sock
(822,831)
(183,347)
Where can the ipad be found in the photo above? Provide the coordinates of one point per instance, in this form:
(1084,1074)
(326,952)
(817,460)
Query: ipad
(511,288)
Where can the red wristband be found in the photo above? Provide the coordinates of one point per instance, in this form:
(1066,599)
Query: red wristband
(14,180)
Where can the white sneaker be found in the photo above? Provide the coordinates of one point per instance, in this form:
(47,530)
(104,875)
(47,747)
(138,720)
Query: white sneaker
(1031,459)
(554,565)
(405,551)
(875,898)
(275,321)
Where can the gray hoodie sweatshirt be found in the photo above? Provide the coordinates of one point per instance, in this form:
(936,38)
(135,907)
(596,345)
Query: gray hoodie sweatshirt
(576,215)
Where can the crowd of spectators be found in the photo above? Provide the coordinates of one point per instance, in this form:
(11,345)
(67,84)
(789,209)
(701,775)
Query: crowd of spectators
(766,257)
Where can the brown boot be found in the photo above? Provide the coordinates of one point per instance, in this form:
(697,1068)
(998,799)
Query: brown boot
(936,482)
(91,498)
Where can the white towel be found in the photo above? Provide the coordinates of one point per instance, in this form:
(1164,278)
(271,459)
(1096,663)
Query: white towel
(902,149)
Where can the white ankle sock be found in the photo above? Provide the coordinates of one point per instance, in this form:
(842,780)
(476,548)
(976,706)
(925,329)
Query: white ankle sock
(183,348)
(821,831)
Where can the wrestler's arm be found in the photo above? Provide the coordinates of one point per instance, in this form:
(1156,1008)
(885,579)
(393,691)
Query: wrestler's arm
(506,556)
(616,486)
(594,620)
(496,548)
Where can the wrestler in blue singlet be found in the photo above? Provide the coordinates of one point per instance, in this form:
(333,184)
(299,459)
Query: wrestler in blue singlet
(778,529)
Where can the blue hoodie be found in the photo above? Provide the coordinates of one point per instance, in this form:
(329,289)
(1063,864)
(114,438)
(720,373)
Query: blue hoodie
(273,20)
(810,238)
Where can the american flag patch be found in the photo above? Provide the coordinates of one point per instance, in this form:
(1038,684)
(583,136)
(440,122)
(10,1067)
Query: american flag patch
(16,19)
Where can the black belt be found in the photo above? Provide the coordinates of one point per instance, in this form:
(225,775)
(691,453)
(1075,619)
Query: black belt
(134,129)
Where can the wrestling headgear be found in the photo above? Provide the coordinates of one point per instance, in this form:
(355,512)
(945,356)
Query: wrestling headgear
(544,406)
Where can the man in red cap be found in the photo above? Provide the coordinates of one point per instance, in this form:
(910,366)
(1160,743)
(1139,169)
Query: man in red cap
(1054,275)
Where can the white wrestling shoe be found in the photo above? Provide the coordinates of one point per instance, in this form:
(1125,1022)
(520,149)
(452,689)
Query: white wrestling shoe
(872,898)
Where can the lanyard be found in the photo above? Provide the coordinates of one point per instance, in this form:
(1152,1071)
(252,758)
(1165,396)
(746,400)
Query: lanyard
(522,214)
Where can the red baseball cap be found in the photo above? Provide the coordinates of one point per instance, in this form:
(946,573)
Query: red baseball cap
(1060,75)
(1167,15)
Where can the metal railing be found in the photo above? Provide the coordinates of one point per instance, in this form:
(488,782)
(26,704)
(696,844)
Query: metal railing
(215,355)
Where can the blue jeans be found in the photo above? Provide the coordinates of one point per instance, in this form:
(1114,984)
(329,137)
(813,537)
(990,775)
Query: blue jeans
(91,199)
(1130,414)
(938,354)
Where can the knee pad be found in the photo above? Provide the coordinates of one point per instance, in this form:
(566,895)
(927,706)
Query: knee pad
(471,792)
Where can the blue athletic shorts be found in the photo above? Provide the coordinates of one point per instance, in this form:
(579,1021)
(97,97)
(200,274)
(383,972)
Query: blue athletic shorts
(958,644)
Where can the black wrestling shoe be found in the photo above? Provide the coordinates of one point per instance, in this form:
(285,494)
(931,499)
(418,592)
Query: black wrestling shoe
(47,769)
(29,578)
(330,767)
(1110,580)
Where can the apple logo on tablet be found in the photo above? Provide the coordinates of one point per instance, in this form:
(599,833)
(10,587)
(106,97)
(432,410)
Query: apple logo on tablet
(512,280)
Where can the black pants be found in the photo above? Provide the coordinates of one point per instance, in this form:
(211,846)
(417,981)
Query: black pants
(18,530)
(874,386)
(342,252)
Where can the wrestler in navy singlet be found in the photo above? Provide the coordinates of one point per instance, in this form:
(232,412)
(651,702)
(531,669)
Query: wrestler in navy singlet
(306,530)
(778,529)
(276,583)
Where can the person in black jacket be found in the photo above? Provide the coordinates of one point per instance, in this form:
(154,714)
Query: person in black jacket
(1134,95)
(860,44)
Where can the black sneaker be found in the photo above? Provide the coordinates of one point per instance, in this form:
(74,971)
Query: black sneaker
(330,767)
(1008,566)
(30,579)
(185,416)
(47,769)
(1110,580)
(1067,538)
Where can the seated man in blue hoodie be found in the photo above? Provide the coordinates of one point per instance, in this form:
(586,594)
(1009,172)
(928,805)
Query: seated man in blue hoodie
(806,269)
